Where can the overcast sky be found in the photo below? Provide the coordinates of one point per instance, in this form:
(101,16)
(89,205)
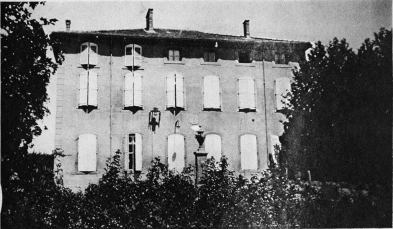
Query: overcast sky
(303,20)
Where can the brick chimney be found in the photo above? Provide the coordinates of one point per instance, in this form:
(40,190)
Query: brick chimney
(246,26)
(149,20)
(68,25)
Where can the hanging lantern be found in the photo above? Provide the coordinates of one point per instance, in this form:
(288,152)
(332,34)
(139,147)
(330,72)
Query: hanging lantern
(154,119)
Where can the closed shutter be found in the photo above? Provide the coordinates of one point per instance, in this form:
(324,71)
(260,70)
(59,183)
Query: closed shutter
(243,94)
(83,82)
(84,55)
(176,152)
(93,89)
(170,91)
(251,93)
(274,142)
(138,152)
(179,91)
(137,90)
(93,54)
(283,86)
(213,146)
(248,151)
(87,153)
(211,92)
(128,90)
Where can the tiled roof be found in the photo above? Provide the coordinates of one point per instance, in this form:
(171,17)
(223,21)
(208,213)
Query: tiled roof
(171,34)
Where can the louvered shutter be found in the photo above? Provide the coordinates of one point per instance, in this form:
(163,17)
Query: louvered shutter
(137,90)
(213,146)
(215,92)
(243,93)
(83,82)
(84,55)
(126,153)
(93,54)
(93,89)
(128,90)
(207,92)
(248,150)
(283,86)
(170,91)
(87,153)
(179,91)
(274,141)
(138,152)
(251,93)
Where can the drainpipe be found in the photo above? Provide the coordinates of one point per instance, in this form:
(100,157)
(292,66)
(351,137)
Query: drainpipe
(110,99)
(265,107)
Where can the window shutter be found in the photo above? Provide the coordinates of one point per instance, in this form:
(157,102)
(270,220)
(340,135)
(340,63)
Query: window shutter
(138,152)
(137,90)
(251,93)
(126,153)
(92,99)
(171,151)
(283,86)
(138,55)
(176,152)
(83,82)
(274,140)
(170,55)
(211,92)
(87,153)
(128,56)
(248,150)
(93,54)
(213,146)
(176,55)
(84,55)
(128,90)
(170,91)
(207,92)
(215,92)
(243,93)
(179,91)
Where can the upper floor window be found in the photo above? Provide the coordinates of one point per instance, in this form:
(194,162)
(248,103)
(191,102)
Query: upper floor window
(176,153)
(133,56)
(174,55)
(133,90)
(245,57)
(133,152)
(282,88)
(211,93)
(87,152)
(213,146)
(88,89)
(279,58)
(175,91)
(88,55)
(209,56)
(248,151)
(247,95)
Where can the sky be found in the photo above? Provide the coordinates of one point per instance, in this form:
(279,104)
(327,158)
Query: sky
(300,20)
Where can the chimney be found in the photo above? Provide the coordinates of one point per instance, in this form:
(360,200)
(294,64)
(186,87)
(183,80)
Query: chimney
(149,20)
(246,26)
(68,25)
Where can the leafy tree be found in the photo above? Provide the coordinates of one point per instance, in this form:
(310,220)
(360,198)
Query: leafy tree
(25,73)
(339,121)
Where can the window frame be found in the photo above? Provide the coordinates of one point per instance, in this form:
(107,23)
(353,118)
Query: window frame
(206,137)
(133,56)
(220,107)
(133,75)
(169,57)
(276,108)
(248,109)
(137,155)
(209,52)
(88,89)
(184,151)
(95,156)
(89,45)
(256,148)
(176,76)
(249,57)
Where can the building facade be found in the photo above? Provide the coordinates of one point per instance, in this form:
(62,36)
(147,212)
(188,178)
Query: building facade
(140,91)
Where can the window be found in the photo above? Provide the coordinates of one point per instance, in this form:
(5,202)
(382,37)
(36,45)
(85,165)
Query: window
(174,55)
(133,152)
(244,57)
(248,151)
(133,90)
(175,91)
(133,56)
(211,93)
(88,54)
(176,154)
(213,146)
(246,92)
(279,58)
(88,89)
(87,153)
(209,56)
(274,143)
(282,87)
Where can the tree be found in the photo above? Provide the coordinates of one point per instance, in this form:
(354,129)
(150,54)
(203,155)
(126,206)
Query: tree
(339,121)
(25,73)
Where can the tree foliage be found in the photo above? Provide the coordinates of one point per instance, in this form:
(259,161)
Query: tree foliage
(339,121)
(25,73)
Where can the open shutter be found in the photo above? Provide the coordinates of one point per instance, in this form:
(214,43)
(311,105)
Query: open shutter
(170,91)
(93,54)
(87,153)
(137,90)
(83,81)
(93,89)
(283,86)
(128,90)
(248,150)
(215,92)
(138,152)
(274,142)
(207,92)
(138,56)
(213,146)
(251,93)
(179,91)
(126,153)
(128,58)
(243,96)
(84,55)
